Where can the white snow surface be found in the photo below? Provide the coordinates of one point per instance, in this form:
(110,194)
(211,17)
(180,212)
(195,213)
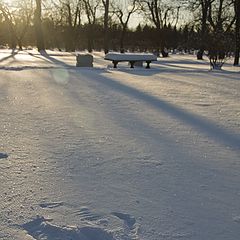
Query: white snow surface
(113,56)
(118,154)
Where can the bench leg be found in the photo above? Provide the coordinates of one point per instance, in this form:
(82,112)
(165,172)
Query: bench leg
(132,64)
(115,63)
(148,64)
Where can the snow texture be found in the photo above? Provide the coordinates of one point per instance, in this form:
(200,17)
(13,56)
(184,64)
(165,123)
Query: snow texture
(118,154)
(40,228)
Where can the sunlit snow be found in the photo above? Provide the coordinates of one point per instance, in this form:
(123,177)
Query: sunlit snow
(118,154)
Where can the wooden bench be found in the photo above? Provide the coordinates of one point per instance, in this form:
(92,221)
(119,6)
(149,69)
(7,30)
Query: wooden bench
(132,58)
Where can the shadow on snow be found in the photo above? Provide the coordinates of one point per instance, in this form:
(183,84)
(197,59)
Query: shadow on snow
(204,125)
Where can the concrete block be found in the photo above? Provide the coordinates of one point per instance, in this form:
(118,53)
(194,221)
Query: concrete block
(84,60)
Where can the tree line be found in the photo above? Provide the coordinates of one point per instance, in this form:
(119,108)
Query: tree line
(184,25)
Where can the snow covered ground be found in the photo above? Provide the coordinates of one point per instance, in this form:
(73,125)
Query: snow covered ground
(118,154)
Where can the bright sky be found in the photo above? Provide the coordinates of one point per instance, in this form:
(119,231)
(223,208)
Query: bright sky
(133,23)
(135,20)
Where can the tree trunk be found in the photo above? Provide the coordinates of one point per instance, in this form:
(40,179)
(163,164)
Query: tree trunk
(237,32)
(237,55)
(20,44)
(70,30)
(90,45)
(164,53)
(13,39)
(13,36)
(122,40)
(162,43)
(38,26)
(70,39)
(106,29)
(200,53)
(203,32)
(90,38)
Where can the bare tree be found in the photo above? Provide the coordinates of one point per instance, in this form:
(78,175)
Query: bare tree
(221,21)
(38,25)
(201,10)
(106,4)
(70,19)
(220,17)
(91,7)
(161,13)
(204,6)
(18,19)
(8,18)
(237,31)
(123,10)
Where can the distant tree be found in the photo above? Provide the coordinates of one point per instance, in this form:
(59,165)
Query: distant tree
(149,36)
(104,24)
(185,38)
(160,13)
(18,20)
(201,10)
(218,51)
(8,18)
(106,4)
(237,31)
(71,20)
(91,7)
(221,21)
(220,16)
(38,25)
(138,39)
(124,10)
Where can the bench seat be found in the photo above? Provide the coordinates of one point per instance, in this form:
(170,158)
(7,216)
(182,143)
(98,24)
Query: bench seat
(131,58)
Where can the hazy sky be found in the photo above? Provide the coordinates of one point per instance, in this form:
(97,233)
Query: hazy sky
(135,20)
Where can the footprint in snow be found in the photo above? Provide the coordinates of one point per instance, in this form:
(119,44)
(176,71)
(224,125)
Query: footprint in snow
(131,228)
(40,228)
(236,219)
(51,205)
(86,215)
(128,219)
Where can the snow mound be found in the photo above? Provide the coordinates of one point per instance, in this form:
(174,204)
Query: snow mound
(40,228)
(128,219)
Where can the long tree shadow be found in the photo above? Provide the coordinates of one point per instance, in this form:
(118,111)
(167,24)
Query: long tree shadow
(12,55)
(201,124)
(38,56)
(191,61)
(190,64)
(181,66)
(50,57)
